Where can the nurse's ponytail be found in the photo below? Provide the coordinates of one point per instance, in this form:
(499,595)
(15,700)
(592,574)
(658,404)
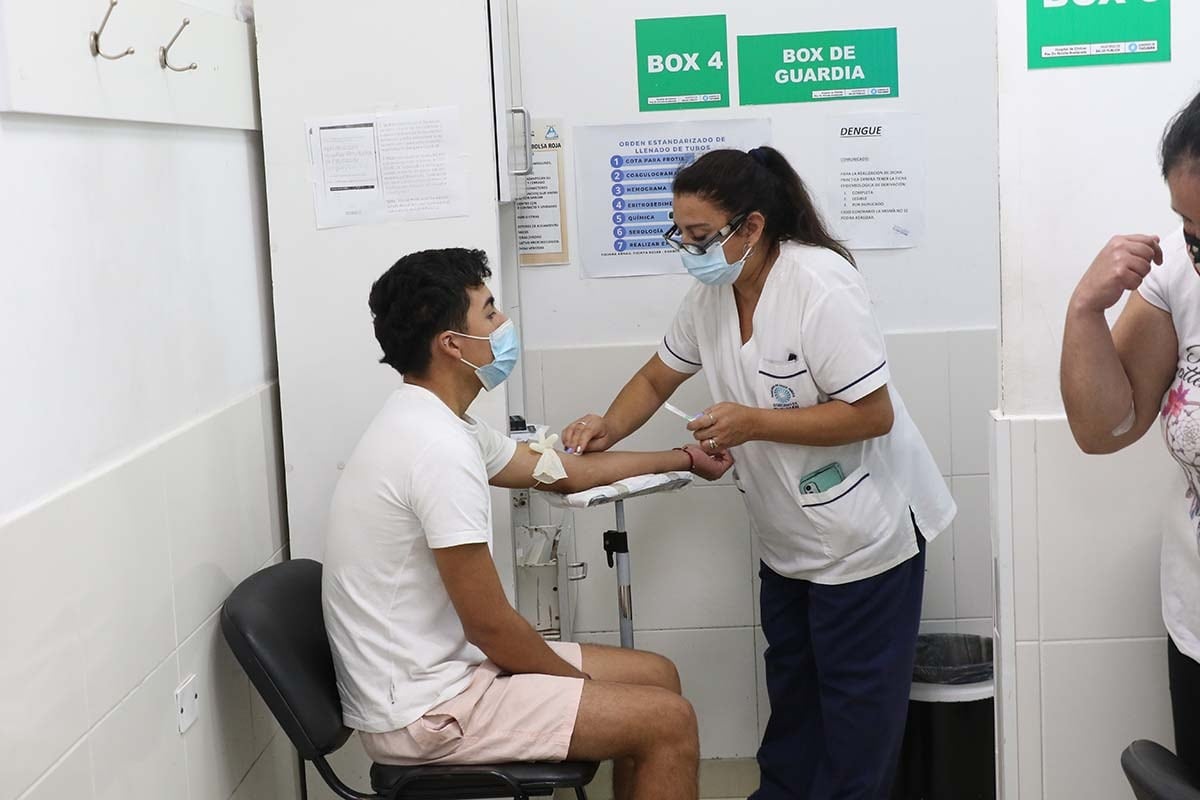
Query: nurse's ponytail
(1181,143)
(761,180)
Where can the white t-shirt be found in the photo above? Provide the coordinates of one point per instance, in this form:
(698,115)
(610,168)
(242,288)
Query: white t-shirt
(1175,288)
(417,481)
(815,340)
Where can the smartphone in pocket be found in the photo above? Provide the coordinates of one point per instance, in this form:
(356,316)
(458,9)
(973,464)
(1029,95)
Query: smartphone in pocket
(822,480)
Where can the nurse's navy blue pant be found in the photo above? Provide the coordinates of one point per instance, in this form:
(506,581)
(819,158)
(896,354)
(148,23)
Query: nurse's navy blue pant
(839,666)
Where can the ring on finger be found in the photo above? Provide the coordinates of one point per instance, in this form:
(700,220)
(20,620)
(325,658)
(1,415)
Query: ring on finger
(712,444)
(712,420)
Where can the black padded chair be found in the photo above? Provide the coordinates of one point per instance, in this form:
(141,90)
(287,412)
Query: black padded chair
(1155,773)
(275,628)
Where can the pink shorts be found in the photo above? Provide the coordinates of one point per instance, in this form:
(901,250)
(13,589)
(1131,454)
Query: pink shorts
(497,718)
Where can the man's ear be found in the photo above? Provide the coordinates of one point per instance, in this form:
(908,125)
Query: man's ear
(446,343)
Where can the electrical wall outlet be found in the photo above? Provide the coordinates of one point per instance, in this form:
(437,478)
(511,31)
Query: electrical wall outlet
(187,702)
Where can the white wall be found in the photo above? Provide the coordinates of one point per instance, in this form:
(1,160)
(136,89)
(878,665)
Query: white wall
(1078,164)
(1083,649)
(1077,538)
(579,63)
(135,291)
(141,470)
(313,63)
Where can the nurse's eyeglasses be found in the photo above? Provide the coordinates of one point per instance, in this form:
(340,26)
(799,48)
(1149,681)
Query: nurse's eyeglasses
(674,237)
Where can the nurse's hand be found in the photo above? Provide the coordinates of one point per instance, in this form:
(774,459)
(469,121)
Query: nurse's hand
(723,426)
(588,434)
(709,466)
(1120,267)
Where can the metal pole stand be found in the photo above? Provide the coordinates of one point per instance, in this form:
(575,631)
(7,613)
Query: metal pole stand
(616,543)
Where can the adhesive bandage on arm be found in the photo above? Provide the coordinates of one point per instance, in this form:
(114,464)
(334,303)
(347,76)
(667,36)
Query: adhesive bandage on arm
(1127,424)
(549,467)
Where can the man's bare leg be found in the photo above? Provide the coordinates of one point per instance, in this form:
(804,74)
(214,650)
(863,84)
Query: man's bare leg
(653,727)
(637,668)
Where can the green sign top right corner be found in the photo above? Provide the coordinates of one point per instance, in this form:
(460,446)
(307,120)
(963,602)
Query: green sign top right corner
(1082,33)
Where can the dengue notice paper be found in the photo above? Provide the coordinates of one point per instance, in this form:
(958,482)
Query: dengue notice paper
(877,180)
(378,167)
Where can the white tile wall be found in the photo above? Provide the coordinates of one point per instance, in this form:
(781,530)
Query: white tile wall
(1024,488)
(760,673)
(43,699)
(535,403)
(972,548)
(939,600)
(717,670)
(108,596)
(71,777)
(137,752)
(1097,697)
(1029,721)
(920,370)
(275,775)
(577,381)
(688,551)
(1000,460)
(1098,552)
(974,385)
(693,566)
(755,580)
(1090,660)
(220,743)
(219,509)
(127,613)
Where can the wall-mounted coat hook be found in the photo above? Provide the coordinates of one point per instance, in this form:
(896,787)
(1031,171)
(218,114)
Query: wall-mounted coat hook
(94,37)
(163,51)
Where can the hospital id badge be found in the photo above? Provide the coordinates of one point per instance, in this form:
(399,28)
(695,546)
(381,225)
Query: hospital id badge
(822,480)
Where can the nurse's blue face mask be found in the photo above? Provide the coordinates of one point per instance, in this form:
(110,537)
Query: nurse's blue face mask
(506,347)
(705,261)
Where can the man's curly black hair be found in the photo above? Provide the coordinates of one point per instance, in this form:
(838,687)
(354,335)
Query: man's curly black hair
(421,295)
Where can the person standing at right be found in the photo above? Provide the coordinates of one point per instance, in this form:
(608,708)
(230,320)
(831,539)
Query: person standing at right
(1114,383)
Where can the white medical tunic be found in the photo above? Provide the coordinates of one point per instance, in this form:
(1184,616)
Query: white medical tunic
(814,341)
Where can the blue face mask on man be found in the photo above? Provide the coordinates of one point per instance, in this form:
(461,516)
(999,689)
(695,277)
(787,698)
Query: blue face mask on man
(506,348)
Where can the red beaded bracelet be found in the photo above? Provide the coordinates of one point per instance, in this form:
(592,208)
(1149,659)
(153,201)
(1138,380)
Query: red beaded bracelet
(691,459)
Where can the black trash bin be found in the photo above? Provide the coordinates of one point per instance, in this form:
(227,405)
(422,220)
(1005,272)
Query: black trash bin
(949,750)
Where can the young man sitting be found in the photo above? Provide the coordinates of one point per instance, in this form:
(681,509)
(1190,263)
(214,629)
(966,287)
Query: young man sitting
(433,664)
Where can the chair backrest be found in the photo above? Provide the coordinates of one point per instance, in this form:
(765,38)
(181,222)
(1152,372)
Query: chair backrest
(1155,773)
(275,628)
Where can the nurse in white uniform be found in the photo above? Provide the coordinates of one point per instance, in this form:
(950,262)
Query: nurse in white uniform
(842,491)
(1116,382)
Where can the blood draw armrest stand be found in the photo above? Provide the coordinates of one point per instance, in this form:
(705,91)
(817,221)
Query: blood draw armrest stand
(616,541)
